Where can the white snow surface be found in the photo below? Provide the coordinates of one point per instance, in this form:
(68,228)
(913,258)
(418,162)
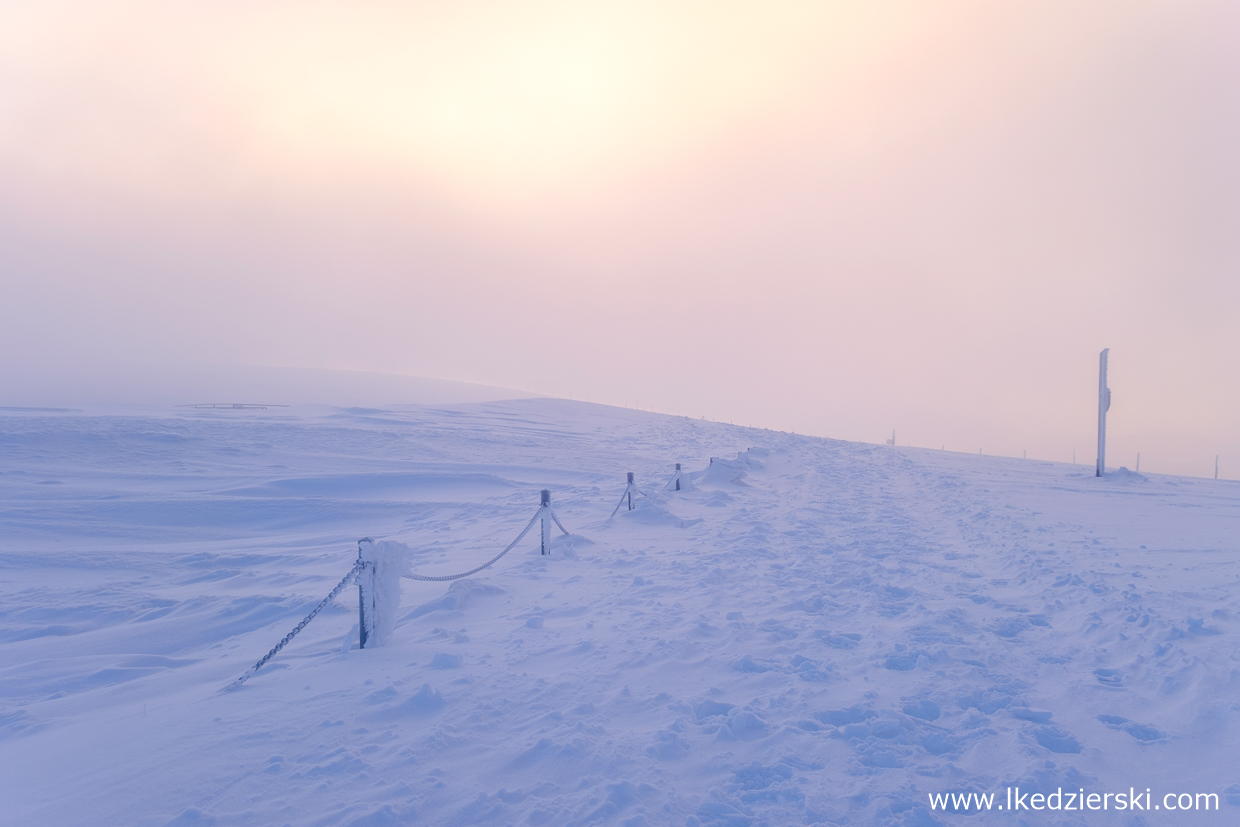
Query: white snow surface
(819,632)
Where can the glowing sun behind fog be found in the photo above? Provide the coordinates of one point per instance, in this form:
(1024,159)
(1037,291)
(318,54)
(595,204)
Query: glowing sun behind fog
(517,100)
(494,103)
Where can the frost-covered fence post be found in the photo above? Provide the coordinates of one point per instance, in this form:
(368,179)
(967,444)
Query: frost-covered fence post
(678,482)
(378,589)
(544,511)
(364,595)
(1104,405)
(630,489)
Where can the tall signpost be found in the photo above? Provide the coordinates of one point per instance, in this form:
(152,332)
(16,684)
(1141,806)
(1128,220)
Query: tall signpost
(1104,405)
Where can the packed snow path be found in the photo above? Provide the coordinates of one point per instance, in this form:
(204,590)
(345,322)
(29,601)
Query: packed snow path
(818,632)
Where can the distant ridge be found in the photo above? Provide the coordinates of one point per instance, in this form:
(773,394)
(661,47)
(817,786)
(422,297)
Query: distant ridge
(144,384)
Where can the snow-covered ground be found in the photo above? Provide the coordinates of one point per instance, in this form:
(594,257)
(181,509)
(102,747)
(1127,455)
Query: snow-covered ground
(818,632)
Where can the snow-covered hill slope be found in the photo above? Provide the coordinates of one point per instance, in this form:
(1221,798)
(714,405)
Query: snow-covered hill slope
(818,632)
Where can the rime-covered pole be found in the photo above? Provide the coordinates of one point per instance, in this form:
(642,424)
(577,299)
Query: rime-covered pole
(627,497)
(361,600)
(544,512)
(678,476)
(383,563)
(1104,405)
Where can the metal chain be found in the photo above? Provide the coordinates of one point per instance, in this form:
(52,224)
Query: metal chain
(357,567)
(494,559)
(631,487)
(567,533)
(617,508)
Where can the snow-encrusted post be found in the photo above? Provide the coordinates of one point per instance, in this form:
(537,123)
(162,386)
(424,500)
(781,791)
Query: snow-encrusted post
(378,589)
(1104,405)
(627,497)
(544,512)
(678,482)
(365,594)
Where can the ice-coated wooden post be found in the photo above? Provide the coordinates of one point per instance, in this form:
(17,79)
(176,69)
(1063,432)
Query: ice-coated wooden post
(545,512)
(1104,405)
(629,491)
(678,476)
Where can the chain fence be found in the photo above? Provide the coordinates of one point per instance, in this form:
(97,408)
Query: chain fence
(361,564)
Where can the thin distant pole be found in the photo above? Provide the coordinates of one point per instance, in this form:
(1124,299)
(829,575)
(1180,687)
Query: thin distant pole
(1138,461)
(1104,405)
(1074,456)
(1216,466)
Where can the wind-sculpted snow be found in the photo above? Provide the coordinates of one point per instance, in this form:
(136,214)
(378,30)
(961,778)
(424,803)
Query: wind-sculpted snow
(812,632)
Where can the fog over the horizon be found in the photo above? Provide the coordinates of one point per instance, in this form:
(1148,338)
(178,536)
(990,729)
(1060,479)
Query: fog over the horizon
(835,218)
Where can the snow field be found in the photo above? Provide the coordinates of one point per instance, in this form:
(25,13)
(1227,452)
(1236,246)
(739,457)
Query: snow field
(817,632)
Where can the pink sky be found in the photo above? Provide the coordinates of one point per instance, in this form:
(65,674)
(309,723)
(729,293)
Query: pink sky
(834,218)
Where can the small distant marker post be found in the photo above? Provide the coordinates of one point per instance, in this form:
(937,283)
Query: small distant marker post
(627,496)
(1138,468)
(892,441)
(1104,405)
(545,513)
(678,476)
(1216,466)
